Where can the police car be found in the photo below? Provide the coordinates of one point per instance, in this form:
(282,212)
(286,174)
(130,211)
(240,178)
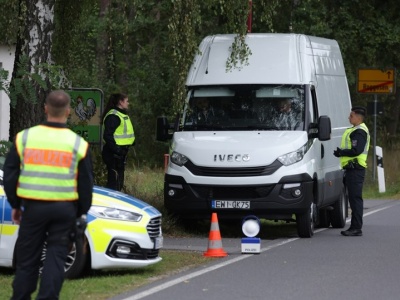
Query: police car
(122,232)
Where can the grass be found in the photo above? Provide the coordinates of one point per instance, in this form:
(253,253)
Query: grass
(101,285)
(391,173)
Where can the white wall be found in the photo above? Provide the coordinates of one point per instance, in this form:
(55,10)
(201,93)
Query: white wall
(7,63)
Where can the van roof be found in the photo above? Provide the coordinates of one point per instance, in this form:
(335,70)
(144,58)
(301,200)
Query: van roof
(275,59)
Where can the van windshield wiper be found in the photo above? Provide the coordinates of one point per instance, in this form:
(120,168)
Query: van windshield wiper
(205,127)
(259,127)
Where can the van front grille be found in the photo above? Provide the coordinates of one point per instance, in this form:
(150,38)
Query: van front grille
(233,172)
(232,192)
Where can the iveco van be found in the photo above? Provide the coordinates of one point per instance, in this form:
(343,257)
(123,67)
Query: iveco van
(259,139)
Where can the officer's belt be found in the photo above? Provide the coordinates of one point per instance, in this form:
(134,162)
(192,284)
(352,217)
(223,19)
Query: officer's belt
(353,164)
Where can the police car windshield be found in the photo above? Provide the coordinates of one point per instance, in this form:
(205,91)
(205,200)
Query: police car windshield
(265,107)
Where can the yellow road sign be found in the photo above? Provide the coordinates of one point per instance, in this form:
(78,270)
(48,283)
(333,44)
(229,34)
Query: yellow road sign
(376,81)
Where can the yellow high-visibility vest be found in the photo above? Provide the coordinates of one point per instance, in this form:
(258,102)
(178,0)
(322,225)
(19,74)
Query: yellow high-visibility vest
(124,135)
(346,144)
(49,169)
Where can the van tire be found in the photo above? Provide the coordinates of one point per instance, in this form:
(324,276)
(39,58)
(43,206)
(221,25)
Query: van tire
(339,213)
(324,220)
(305,223)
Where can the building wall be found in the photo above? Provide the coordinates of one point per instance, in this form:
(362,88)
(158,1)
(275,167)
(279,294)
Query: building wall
(7,63)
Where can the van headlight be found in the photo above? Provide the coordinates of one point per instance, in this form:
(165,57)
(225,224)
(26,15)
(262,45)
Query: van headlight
(295,156)
(114,213)
(178,159)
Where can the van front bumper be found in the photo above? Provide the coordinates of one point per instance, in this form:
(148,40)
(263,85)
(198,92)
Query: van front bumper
(279,201)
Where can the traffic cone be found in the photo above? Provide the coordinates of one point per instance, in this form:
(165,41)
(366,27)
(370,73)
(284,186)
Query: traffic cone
(214,240)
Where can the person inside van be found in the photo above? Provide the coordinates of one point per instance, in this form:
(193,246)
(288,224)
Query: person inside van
(203,113)
(287,117)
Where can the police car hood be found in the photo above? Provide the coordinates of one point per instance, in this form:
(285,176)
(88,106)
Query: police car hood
(113,199)
(227,148)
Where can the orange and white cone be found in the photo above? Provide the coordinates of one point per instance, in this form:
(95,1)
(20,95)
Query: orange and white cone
(214,241)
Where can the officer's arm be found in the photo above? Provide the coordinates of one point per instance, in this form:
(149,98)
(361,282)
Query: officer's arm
(111,123)
(11,175)
(85,184)
(358,140)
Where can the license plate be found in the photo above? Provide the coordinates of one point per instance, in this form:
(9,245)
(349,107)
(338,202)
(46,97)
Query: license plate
(158,242)
(230,204)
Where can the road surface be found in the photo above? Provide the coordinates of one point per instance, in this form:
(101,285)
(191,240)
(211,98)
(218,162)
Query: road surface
(327,266)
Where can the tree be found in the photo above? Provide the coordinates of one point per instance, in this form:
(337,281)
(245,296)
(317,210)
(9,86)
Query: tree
(144,48)
(368,33)
(33,52)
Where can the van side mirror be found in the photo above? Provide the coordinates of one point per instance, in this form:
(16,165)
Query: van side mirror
(162,130)
(324,128)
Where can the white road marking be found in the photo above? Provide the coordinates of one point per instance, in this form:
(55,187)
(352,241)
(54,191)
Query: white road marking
(184,278)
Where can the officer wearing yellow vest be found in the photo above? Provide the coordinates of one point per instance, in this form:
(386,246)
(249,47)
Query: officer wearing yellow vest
(353,154)
(48,181)
(118,136)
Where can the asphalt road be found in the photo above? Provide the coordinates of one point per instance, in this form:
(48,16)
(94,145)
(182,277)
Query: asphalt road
(327,266)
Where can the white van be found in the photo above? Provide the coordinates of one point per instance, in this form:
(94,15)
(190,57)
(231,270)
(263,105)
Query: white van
(265,145)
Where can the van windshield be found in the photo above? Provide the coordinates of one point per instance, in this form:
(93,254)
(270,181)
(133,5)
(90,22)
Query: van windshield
(266,107)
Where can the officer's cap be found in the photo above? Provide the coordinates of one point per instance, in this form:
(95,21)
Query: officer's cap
(360,110)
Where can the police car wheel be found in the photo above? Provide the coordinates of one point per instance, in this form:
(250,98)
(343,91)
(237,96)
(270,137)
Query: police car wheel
(76,260)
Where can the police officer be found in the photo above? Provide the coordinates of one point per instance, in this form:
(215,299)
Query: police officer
(49,183)
(118,135)
(353,154)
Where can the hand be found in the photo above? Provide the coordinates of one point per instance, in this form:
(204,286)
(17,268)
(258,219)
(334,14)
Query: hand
(16,214)
(79,228)
(122,151)
(81,224)
(337,152)
(118,157)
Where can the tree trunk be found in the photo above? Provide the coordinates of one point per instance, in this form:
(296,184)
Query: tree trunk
(34,42)
(103,45)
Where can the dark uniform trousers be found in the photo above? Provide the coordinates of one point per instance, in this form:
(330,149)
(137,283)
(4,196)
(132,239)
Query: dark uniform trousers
(50,221)
(115,170)
(354,180)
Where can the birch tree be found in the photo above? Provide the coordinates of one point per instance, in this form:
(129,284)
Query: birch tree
(30,79)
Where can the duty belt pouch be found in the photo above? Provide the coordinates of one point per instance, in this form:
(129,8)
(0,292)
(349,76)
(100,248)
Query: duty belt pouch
(353,164)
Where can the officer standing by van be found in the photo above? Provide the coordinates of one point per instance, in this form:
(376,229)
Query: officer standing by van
(353,154)
(48,181)
(118,135)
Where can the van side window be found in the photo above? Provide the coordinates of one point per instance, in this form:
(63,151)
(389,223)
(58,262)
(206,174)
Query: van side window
(313,106)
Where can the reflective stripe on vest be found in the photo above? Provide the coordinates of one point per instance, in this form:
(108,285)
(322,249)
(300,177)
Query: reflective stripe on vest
(124,133)
(49,172)
(346,144)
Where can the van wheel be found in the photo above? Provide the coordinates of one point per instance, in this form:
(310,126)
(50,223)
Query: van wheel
(324,220)
(338,214)
(305,223)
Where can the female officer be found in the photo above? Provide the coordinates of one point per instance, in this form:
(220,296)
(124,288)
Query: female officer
(118,136)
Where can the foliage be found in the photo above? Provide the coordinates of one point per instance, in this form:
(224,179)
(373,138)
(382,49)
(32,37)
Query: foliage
(4,147)
(362,29)
(145,48)
(4,86)
(25,83)
(8,25)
